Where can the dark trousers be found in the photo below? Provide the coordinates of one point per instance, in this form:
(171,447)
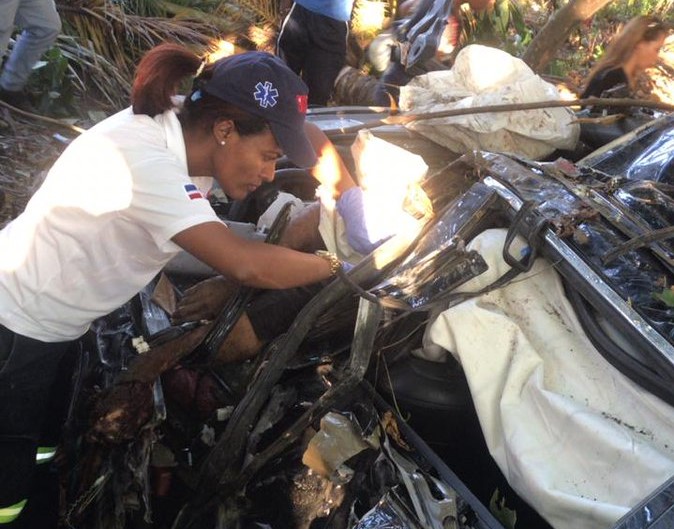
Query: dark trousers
(314,47)
(271,312)
(389,85)
(30,412)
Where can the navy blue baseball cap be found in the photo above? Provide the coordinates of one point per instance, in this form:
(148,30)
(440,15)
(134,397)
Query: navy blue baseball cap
(262,84)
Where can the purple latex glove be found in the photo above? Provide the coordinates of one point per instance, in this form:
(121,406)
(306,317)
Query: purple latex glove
(362,233)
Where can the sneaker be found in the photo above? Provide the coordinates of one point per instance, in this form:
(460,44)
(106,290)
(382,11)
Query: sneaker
(17,99)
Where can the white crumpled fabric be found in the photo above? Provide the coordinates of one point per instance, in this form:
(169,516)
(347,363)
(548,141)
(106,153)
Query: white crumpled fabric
(269,216)
(574,437)
(483,76)
(386,173)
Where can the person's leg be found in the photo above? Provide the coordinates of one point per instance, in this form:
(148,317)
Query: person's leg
(325,57)
(28,369)
(8,10)
(41,25)
(302,231)
(42,509)
(388,88)
(292,42)
(267,316)
(241,343)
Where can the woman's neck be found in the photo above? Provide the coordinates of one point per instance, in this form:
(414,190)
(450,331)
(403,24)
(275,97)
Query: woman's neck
(198,147)
(630,69)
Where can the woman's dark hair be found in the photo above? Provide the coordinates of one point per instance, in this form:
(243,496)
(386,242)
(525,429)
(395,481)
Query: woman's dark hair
(160,73)
(643,28)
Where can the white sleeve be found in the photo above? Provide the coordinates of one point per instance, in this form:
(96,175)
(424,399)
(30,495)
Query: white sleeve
(167,202)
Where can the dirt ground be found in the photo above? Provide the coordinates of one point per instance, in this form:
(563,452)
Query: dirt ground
(28,147)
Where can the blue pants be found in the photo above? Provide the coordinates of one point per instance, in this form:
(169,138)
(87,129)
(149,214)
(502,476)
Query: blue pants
(40,24)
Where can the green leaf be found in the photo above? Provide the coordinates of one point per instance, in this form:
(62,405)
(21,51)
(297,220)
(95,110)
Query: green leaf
(507,517)
(518,22)
(504,17)
(666,296)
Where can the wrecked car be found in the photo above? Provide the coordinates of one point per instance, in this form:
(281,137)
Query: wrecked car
(504,361)
(507,362)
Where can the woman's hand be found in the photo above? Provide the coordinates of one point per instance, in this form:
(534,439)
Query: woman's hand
(205,300)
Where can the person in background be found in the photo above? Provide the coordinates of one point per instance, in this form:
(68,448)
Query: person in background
(313,42)
(631,51)
(41,24)
(396,75)
(119,204)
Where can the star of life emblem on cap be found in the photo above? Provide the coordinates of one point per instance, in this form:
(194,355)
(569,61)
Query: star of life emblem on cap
(265,94)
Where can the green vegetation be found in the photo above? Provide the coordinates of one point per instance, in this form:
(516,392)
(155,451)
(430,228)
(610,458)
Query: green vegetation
(666,296)
(503,27)
(54,83)
(626,9)
(497,506)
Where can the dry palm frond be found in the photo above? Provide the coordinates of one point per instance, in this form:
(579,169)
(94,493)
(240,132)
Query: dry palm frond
(150,31)
(105,43)
(142,8)
(265,11)
(105,39)
(225,17)
(110,84)
(663,7)
(264,38)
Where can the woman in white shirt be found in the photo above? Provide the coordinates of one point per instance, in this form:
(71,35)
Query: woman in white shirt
(120,203)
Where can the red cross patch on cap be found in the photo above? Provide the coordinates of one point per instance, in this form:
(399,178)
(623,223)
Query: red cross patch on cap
(302,103)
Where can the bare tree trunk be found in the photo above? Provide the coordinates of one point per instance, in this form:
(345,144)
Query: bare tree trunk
(551,37)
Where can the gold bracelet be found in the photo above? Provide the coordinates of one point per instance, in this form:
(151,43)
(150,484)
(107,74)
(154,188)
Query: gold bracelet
(335,263)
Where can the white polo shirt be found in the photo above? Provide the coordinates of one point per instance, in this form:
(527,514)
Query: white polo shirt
(99,228)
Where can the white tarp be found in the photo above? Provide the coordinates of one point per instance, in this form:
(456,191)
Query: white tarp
(575,438)
(483,76)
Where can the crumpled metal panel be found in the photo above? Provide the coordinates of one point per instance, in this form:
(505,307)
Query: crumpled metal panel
(644,155)
(655,512)
(655,163)
(385,515)
(439,262)
(652,202)
(636,276)
(573,206)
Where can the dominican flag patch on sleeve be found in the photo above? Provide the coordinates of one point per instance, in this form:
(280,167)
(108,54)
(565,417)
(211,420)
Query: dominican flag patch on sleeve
(193,192)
